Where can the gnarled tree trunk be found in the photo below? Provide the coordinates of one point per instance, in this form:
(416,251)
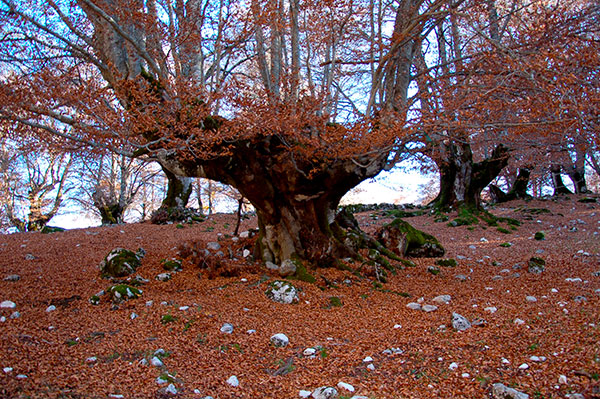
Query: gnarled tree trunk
(461,179)
(518,190)
(295,200)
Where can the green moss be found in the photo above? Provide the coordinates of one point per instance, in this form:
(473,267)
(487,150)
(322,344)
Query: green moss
(506,245)
(408,263)
(503,230)
(179,226)
(540,235)
(535,211)
(301,273)
(167,318)
(433,270)
(335,302)
(48,230)
(171,265)
(120,263)
(71,342)
(588,200)
(449,262)
(398,213)
(535,261)
(123,292)
(418,243)
(511,221)
(94,300)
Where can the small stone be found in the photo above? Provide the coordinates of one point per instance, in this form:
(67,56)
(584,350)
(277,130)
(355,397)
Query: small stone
(164,277)
(280,340)
(133,316)
(505,361)
(12,277)
(2,319)
(282,292)
(325,393)
(453,366)
(580,299)
(429,308)
(233,381)
(367,359)
(50,308)
(7,369)
(246,253)
(562,379)
(491,309)
(171,390)
(501,391)
(15,315)
(184,308)
(461,277)
(160,352)
(347,387)
(91,360)
(524,366)
(483,239)
(7,305)
(530,298)
(465,375)
(29,257)
(396,326)
(213,246)
(304,394)
(459,322)
(271,266)
(160,380)
(21,376)
(287,268)
(156,362)
(442,299)
(519,322)
(250,331)
(414,306)
(371,367)
(227,328)
(309,352)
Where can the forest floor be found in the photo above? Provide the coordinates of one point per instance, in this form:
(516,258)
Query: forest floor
(549,348)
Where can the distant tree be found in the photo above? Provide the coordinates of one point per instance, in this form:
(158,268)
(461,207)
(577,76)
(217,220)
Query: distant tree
(110,184)
(509,80)
(33,186)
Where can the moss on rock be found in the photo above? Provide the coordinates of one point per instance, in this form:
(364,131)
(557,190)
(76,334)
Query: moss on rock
(171,265)
(404,240)
(123,292)
(120,263)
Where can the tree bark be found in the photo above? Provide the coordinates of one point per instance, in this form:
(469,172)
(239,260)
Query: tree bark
(179,190)
(295,200)
(461,179)
(111,214)
(557,181)
(577,176)
(518,189)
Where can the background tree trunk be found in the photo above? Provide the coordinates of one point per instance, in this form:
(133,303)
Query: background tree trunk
(518,190)
(461,179)
(557,181)
(179,190)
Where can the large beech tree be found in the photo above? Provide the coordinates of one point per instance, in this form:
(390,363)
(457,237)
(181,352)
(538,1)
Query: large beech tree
(248,93)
